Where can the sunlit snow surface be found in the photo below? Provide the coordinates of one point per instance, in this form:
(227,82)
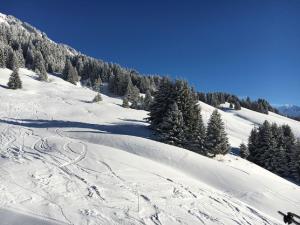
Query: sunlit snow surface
(66,160)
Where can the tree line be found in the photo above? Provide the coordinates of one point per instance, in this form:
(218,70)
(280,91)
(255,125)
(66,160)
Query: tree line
(217,98)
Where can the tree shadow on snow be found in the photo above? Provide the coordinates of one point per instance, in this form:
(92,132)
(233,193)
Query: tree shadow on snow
(138,130)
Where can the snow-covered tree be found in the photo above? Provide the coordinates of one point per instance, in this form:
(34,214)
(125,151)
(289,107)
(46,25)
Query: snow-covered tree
(216,139)
(171,129)
(125,103)
(14,80)
(97,98)
(147,100)
(12,61)
(244,152)
(197,132)
(70,73)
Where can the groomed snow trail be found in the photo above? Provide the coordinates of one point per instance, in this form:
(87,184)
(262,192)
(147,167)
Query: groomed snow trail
(65,161)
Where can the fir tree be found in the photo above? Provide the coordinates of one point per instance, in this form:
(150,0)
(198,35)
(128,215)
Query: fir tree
(294,164)
(216,139)
(266,146)
(14,80)
(253,145)
(197,132)
(244,152)
(97,98)
(147,100)
(171,129)
(70,73)
(163,98)
(12,62)
(237,106)
(125,103)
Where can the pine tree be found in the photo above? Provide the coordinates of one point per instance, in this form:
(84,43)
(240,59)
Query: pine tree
(266,146)
(12,61)
(171,129)
(134,104)
(216,139)
(147,100)
(39,66)
(70,73)
(244,152)
(14,80)
(253,146)
(294,164)
(2,56)
(163,98)
(97,98)
(43,76)
(197,132)
(125,103)
(237,106)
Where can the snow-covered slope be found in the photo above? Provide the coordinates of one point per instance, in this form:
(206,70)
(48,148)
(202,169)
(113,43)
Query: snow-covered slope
(69,161)
(240,123)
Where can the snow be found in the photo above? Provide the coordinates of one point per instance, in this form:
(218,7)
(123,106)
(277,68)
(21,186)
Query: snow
(65,160)
(3,19)
(239,123)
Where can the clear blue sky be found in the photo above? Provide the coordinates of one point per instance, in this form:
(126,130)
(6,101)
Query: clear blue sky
(246,47)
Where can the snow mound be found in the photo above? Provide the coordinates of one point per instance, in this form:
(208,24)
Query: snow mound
(72,161)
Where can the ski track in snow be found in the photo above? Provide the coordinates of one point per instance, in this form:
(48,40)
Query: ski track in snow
(48,172)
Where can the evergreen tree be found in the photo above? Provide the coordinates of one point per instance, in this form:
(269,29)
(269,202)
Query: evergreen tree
(244,152)
(171,129)
(266,146)
(294,164)
(14,80)
(231,105)
(163,98)
(216,139)
(12,62)
(70,73)
(2,56)
(147,100)
(39,66)
(125,103)
(97,98)
(197,132)
(237,106)
(134,104)
(43,76)
(254,153)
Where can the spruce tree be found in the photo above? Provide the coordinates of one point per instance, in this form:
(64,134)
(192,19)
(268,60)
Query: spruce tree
(171,129)
(97,98)
(197,132)
(14,80)
(216,139)
(147,100)
(163,98)
(266,146)
(253,146)
(244,152)
(70,73)
(294,164)
(237,106)
(125,103)
(12,61)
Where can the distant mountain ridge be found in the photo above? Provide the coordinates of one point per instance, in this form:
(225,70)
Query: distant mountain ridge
(289,110)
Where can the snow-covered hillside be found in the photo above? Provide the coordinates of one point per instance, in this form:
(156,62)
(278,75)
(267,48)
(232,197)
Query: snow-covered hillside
(65,160)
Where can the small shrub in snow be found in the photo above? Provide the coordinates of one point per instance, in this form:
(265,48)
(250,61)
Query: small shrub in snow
(97,98)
